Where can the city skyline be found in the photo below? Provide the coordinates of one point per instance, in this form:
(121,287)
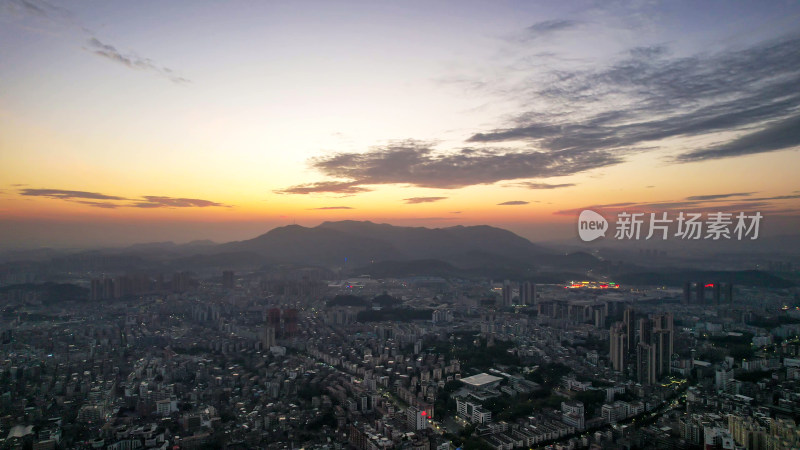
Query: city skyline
(122,123)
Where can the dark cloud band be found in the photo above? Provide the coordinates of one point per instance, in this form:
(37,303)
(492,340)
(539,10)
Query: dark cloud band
(416,163)
(113,201)
(513,203)
(415,200)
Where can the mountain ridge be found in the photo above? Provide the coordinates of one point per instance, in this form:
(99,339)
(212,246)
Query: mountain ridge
(361,242)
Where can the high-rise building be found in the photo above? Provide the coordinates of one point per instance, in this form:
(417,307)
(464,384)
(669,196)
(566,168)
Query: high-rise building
(618,349)
(664,321)
(599,318)
(664,339)
(416,418)
(629,319)
(527,293)
(748,432)
(108,288)
(717,292)
(289,322)
(659,333)
(506,293)
(701,293)
(283,321)
(645,330)
(723,380)
(97,289)
(687,292)
(653,352)
(268,337)
(646,363)
(662,343)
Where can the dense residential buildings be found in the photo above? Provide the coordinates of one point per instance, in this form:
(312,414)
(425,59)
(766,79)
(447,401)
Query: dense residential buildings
(301,358)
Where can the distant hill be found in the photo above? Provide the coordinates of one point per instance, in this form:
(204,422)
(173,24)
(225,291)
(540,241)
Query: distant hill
(351,247)
(325,246)
(442,243)
(354,244)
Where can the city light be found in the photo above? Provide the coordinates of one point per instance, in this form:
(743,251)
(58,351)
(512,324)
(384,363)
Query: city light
(591,285)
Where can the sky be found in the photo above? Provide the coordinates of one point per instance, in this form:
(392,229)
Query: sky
(125,122)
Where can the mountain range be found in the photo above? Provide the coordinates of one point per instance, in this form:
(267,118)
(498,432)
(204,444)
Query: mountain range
(353,244)
(380,250)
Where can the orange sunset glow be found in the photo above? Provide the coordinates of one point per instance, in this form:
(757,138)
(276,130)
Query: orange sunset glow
(149,128)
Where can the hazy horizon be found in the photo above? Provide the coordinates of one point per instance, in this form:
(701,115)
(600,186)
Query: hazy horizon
(66,235)
(78,236)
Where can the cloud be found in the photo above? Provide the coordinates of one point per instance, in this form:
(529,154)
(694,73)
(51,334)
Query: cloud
(171,202)
(18,185)
(335,187)
(513,203)
(37,8)
(148,201)
(67,195)
(332,207)
(532,185)
(548,27)
(132,60)
(697,203)
(777,136)
(63,17)
(26,6)
(104,205)
(619,204)
(608,206)
(586,119)
(415,200)
(719,196)
(777,197)
(648,97)
(415,163)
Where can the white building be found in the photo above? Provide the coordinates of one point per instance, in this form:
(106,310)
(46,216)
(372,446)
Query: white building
(472,412)
(416,418)
(572,414)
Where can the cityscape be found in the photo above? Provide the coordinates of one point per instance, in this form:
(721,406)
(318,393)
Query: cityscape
(108,350)
(360,225)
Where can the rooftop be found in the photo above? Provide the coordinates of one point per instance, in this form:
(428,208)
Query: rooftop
(480,380)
